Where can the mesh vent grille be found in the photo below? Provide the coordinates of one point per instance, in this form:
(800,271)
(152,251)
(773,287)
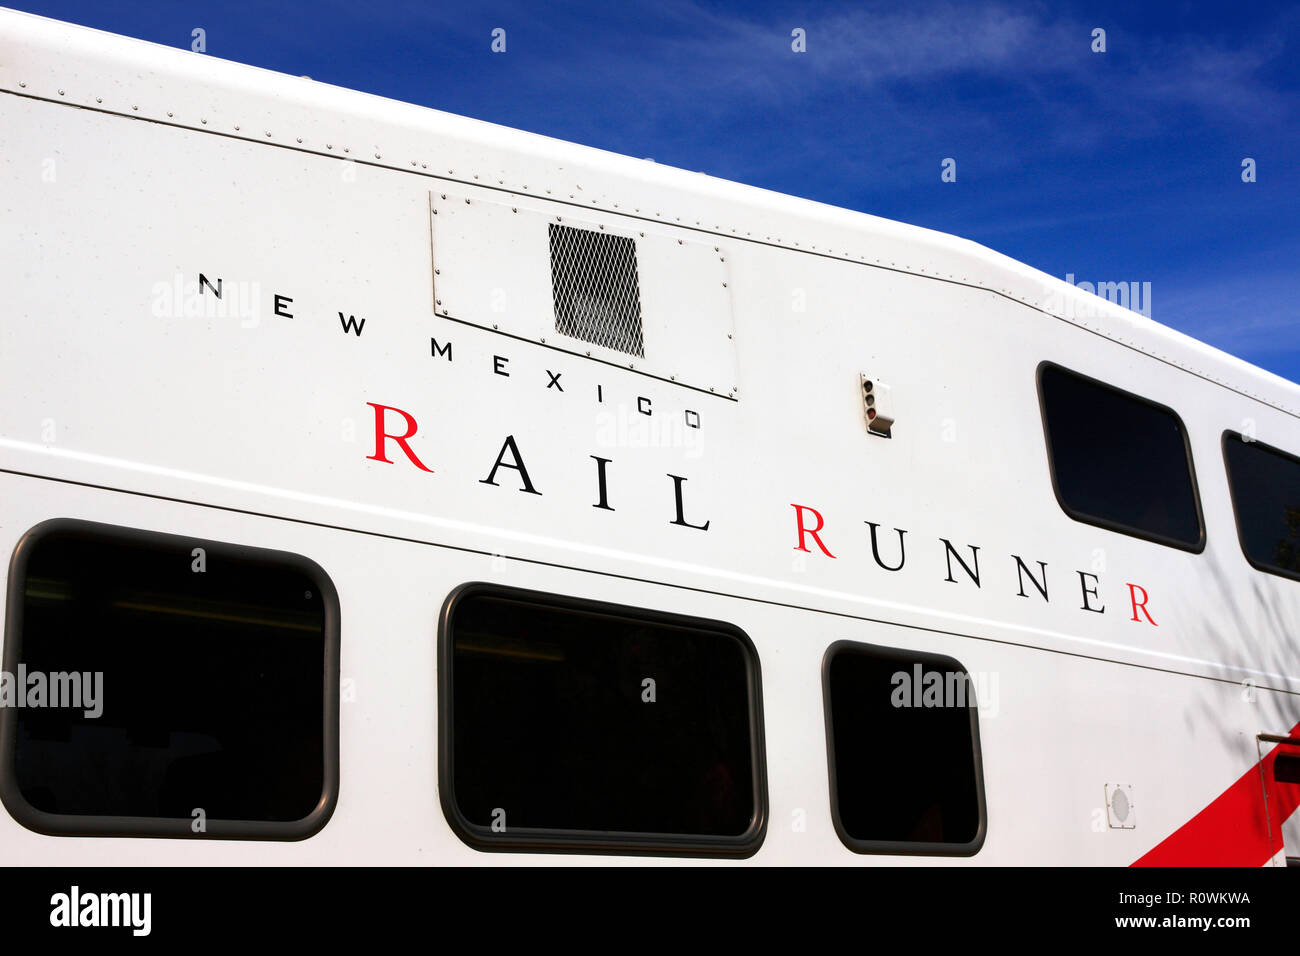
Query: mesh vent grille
(594,283)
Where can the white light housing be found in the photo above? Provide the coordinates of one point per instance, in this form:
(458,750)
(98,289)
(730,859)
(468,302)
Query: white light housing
(877,406)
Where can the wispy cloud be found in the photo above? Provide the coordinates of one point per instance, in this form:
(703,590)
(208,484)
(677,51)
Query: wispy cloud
(1123,165)
(724,61)
(1254,315)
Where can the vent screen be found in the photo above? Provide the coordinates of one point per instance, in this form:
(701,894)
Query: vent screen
(603,287)
(594,284)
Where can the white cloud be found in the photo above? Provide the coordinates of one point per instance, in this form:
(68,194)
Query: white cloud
(1252,315)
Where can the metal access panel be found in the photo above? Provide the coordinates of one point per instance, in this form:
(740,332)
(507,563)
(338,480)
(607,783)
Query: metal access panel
(612,288)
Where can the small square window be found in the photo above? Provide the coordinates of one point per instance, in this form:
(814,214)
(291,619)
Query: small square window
(1265,486)
(902,732)
(1286,768)
(1119,461)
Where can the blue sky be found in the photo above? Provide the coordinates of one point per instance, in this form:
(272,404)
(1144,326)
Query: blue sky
(1116,166)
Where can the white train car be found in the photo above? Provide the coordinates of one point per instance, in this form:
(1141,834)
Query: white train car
(381,486)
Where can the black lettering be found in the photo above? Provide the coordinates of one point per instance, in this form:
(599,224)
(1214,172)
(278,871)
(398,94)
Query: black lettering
(875,548)
(681,517)
(518,466)
(1087,606)
(603,504)
(203,281)
(952,553)
(1021,571)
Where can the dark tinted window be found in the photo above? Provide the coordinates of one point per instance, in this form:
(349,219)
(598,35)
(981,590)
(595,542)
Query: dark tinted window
(1119,461)
(904,756)
(1286,768)
(574,723)
(213,675)
(1265,486)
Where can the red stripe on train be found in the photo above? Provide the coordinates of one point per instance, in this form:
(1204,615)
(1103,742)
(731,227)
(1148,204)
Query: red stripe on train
(1236,829)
